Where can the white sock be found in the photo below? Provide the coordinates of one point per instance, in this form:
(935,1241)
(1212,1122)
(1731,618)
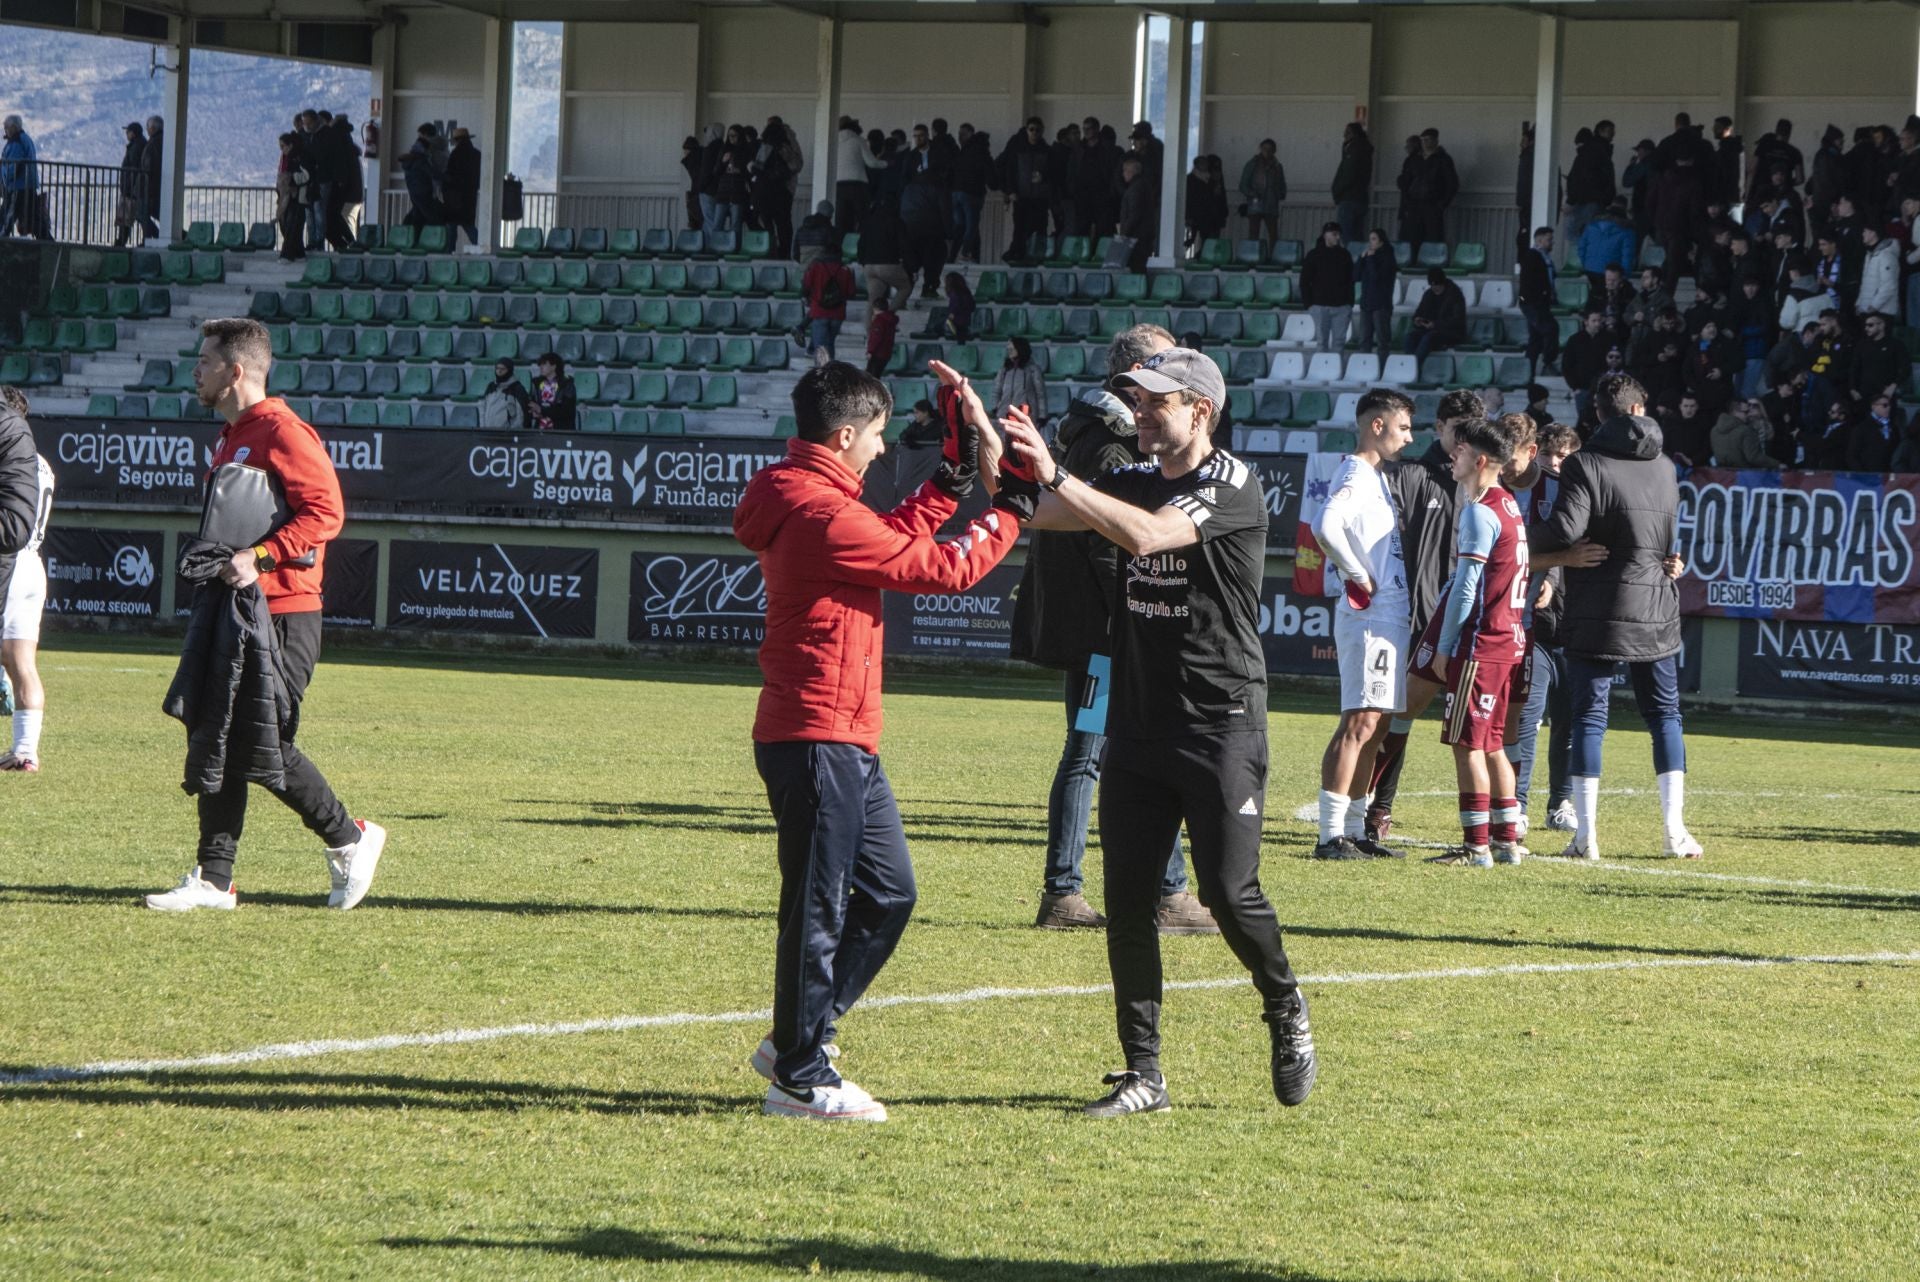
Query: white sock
(1586,802)
(1333,814)
(1356,818)
(1673,803)
(26,732)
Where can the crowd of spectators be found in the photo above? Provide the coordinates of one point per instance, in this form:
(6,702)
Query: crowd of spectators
(317,182)
(1785,356)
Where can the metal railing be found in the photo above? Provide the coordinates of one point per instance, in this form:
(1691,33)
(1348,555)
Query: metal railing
(75,204)
(244,205)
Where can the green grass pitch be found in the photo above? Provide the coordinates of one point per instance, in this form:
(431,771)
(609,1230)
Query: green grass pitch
(584,839)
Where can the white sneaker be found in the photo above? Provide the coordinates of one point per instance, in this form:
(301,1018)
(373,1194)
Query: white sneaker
(843,1103)
(1509,852)
(1522,826)
(763,1057)
(192,893)
(352,867)
(1684,847)
(1561,818)
(1574,850)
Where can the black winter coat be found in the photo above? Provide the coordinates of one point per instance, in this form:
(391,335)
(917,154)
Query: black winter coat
(1326,277)
(1353,180)
(1426,500)
(1620,492)
(230,690)
(1071,584)
(19,491)
(1590,179)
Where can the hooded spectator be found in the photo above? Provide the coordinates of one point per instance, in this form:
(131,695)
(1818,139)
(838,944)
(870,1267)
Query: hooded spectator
(1879,274)
(1353,182)
(1590,181)
(133,199)
(816,234)
(1608,240)
(1440,320)
(463,186)
(1263,186)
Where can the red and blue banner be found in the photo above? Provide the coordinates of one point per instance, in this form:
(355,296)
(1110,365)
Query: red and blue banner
(1837,547)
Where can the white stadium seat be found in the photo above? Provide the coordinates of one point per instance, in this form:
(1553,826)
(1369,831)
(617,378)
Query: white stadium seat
(1347,407)
(1288,367)
(1323,369)
(1298,331)
(1467,287)
(1416,290)
(1497,294)
(1402,369)
(1301,442)
(1263,440)
(1362,367)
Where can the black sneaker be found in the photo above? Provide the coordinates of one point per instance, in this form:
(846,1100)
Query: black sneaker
(1341,847)
(1378,823)
(1132,1093)
(1374,850)
(1294,1063)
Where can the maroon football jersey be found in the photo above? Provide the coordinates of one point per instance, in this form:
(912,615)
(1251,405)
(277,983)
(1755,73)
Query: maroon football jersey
(1498,622)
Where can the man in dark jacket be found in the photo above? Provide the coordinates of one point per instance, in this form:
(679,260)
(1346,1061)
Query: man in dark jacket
(1590,181)
(133,180)
(1139,213)
(1062,619)
(288,565)
(1376,272)
(1620,493)
(1728,153)
(1876,435)
(1440,321)
(337,161)
(1435,183)
(1026,166)
(972,175)
(150,157)
(463,186)
(1326,286)
(1536,301)
(1353,182)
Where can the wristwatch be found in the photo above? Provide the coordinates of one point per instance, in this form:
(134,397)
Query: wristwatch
(262,559)
(1060,478)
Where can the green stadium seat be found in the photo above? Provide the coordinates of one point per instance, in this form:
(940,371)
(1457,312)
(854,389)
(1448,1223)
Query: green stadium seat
(1165,288)
(166,408)
(176,267)
(70,336)
(1068,362)
(396,414)
(1225,327)
(1274,407)
(123,302)
(596,418)
(1200,287)
(1258,328)
(448,382)
(363,414)
(560,240)
(443,273)
(209,269)
(735,354)
(1468,256)
(527,240)
(284,377)
(1129,287)
(992,287)
(317,380)
(102,405)
(200,235)
(669,352)
(416,382)
(469,346)
(632,422)
(683,314)
(232,236)
(156,301)
(1235,291)
(622,242)
(1074,250)
(656,242)
(591,241)
(351,380)
(319,271)
(668,423)
(753,244)
(45,371)
(1310,408)
(1216,252)
(1248,255)
(722,392)
(571,275)
(435,345)
(383,380)
(156,375)
(429,416)
(1285,255)
(475,273)
(400,239)
(1433,253)
(433,239)
(1435,371)
(1570,293)
(1273,290)
(1472,371)
(649,389)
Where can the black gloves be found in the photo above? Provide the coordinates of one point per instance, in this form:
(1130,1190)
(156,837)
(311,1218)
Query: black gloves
(1019,492)
(959,447)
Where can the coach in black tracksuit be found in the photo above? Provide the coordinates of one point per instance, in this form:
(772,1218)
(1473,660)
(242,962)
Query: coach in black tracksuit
(1187,723)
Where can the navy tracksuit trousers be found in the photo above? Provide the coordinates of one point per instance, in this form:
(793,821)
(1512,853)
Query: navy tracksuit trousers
(846,891)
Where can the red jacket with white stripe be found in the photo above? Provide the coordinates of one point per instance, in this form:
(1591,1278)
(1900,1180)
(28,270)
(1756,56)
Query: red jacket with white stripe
(826,556)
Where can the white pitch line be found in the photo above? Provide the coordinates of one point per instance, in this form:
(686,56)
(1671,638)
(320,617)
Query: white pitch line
(623,1023)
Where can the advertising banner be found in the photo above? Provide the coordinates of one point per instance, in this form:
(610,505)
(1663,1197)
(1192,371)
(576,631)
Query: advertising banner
(1296,630)
(104,574)
(1816,546)
(696,599)
(975,624)
(1859,662)
(493,587)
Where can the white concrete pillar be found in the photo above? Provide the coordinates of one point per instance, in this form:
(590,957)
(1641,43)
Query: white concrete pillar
(1546,131)
(824,158)
(374,169)
(173,164)
(495,127)
(1174,157)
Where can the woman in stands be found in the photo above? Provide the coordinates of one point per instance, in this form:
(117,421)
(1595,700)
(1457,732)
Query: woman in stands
(1020,383)
(553,396)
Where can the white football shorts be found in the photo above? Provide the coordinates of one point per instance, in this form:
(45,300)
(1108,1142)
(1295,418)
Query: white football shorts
(1372,648)
(26,595)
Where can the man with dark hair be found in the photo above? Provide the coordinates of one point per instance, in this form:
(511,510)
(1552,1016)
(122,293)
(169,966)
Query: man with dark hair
(1620,492)
(1423,495)
(1063,618)
(1434,182)
(286,568)
(1372,624)
(1026,168)
(1537,297)
(26,493)
(1440,319)
(846,880)
(1326,286)
(1535,484)
(1186,724)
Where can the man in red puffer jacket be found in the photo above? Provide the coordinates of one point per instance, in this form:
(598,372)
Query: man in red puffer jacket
(846,882)
(262,432)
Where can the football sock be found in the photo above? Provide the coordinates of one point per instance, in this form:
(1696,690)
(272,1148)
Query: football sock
(1390,749)
(1356,826)
(219,878)
(1586,802)
(26,732)
(1673,802)
(1473,817)
(1333,814)
(1505,824)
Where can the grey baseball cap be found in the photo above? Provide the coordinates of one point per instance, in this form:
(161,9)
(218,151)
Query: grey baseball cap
(1177,369)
